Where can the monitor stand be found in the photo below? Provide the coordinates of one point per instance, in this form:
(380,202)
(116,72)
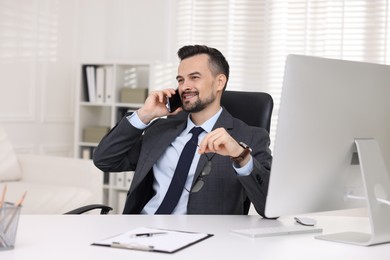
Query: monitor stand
(376,182)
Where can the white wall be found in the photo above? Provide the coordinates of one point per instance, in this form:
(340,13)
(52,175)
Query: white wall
(124,29)
(37,103)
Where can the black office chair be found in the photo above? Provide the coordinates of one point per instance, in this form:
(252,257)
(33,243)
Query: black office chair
(254,108)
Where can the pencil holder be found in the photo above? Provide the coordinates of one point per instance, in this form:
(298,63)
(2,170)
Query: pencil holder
(9,219)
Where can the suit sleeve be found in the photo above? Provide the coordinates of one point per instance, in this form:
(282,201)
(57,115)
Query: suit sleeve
(256,183)
(119,149)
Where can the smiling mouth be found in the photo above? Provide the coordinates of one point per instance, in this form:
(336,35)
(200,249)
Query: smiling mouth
(188,96)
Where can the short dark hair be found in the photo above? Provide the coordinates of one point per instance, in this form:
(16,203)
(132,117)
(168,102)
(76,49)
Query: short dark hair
(217,62)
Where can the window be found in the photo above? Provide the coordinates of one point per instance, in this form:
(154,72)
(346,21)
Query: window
(28,30)
(257,35)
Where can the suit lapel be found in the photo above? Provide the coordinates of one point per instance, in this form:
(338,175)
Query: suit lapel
(153,148)
(225,120)
(158,144)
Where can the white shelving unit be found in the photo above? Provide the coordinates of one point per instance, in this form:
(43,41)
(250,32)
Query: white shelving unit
(105,112)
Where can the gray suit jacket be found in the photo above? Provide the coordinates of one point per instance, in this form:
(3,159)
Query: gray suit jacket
(126,148)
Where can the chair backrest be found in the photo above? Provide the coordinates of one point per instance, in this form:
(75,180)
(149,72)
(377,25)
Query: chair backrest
(254,108)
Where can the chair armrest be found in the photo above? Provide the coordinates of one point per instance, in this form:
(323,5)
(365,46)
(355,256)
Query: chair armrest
(104,209)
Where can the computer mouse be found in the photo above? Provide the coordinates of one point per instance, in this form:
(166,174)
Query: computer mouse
(305,221)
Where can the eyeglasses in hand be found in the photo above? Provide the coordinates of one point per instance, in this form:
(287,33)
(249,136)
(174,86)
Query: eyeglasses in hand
(205,171)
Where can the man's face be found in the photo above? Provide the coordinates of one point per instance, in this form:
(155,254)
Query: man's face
(196,83)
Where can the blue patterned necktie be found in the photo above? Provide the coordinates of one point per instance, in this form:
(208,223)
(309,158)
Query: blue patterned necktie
(181,173)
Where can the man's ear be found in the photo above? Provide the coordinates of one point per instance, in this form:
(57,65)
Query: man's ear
(221,82)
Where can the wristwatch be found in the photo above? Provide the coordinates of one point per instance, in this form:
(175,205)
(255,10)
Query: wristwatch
(241,157)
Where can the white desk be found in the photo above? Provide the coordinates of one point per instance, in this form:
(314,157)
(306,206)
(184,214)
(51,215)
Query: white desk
(69,237)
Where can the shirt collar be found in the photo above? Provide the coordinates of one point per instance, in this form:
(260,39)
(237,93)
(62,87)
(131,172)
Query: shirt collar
(207,126)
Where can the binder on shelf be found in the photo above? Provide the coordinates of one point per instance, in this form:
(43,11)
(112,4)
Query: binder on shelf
(100,84)
(91,83)
(122,196)
(119,179)
(86,153)
(128,178)
(106,178)
(109,85)
(84,83)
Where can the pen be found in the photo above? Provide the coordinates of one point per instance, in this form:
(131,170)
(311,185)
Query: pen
(132,246)
(148,234)
(20,201)
(3,195)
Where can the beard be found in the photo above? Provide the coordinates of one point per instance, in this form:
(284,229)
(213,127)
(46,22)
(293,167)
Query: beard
(199,105)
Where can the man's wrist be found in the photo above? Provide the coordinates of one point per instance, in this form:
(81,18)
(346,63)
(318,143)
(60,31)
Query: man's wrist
(145,117)
(244,169)
(244,156)
(136,121)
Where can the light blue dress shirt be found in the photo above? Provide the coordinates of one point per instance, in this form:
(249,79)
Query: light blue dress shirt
(164,167)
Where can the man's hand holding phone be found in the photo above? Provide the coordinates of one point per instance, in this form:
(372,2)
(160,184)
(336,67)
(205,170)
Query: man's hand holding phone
(155,105)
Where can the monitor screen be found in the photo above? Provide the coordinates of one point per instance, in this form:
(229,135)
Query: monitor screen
(326,105)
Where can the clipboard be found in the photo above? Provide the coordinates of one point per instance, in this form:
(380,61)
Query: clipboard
(153,240)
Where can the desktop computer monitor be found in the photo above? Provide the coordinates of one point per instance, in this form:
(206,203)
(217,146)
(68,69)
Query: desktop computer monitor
(332,142)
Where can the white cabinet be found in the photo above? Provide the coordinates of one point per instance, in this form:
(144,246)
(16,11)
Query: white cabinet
(102,93)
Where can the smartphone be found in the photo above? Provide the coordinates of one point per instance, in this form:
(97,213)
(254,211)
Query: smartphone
(174,102)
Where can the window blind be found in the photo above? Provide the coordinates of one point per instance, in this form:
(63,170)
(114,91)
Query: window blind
(256,36)
(28,30)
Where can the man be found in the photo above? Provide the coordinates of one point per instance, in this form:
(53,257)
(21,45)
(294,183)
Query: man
(224,174)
